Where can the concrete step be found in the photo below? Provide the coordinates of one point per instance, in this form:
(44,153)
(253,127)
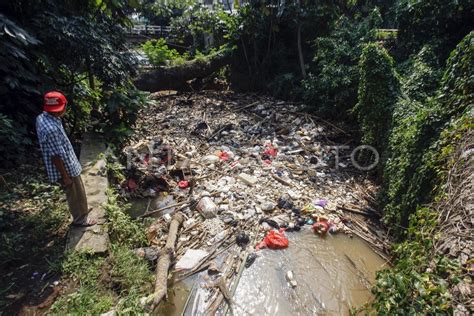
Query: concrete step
(94,238)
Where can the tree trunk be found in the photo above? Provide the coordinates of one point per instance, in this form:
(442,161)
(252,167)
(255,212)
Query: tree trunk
(300,52)
(164,261)
(175,77)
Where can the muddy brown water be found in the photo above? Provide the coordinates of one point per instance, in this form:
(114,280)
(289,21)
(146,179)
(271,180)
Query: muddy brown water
(333,276)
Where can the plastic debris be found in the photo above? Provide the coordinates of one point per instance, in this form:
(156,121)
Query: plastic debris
(191,259)
(321,227)
(247,179)
(242,239)
(207,207)
(285,201)
(250,259)
(183,184)
(274,240)
(289,276)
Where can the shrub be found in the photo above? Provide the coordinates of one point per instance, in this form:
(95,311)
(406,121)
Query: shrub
(409,175)
(440,23)
(331,86)
(13,141)
(122,229)
(416,284)
(424,77)
(378,92)
(158,52)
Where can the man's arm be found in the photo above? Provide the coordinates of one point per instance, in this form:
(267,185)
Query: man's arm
(59,164)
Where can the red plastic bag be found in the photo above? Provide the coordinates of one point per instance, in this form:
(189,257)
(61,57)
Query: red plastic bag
(183,184)
(276,240)
(224,156)
(270,151)
(321,227)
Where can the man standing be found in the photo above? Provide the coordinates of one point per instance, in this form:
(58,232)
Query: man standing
(59,157)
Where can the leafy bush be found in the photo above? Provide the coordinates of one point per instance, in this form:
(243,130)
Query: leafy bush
(424,75)
(378,92)
(417,284)
(331,86)
(158,52)
(424,136)
(122,229)
(440,23)
(202,28)
(410,177)
(13,140)
(79,50)
(120,112)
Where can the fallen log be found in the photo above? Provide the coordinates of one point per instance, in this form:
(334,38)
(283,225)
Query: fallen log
(164,261)
(175,77)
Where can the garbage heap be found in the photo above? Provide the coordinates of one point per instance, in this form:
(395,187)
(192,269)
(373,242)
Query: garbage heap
(241,168)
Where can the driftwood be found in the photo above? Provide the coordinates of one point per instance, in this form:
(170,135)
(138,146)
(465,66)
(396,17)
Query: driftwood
(352,210)
(164,261)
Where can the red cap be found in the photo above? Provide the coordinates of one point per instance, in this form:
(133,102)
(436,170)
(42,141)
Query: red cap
(54,101)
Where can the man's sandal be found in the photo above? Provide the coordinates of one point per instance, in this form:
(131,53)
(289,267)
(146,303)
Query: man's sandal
(88,222)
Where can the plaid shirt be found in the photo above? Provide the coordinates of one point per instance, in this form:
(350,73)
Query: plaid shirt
(54,142)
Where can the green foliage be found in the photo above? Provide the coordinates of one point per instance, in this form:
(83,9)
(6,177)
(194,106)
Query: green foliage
(198,22)
(158,52)
(120,112)
(101,280)
(85,301)
(378,92)
(122,229)
(424,76)
(83,267)
(265,35)
(440,23)
(161,12)
(410,176)
(417,284)
(13,140)
(119,280)
(331,86)
(128,270)
(132,279)
(421,145)
(78,49)
(41,218)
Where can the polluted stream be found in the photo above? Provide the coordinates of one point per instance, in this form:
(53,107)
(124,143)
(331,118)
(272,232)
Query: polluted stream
(332,275)
(248,173)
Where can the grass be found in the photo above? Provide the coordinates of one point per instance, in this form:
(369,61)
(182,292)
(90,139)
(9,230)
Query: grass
(122,229)
(118,281)
(33,227)
(85,301)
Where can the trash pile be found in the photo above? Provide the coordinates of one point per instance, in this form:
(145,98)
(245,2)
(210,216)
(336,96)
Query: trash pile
(245,171)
